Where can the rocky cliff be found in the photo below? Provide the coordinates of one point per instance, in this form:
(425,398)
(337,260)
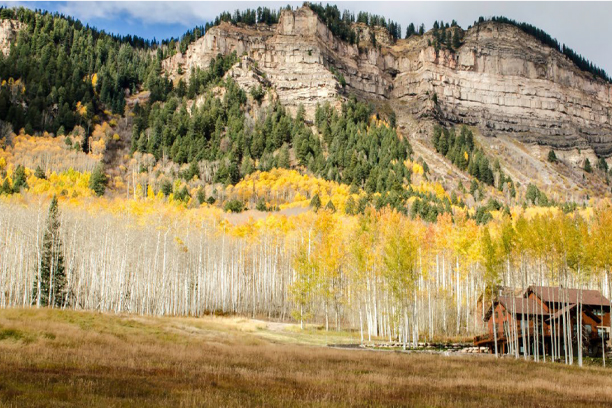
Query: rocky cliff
(8,33)
(501,80)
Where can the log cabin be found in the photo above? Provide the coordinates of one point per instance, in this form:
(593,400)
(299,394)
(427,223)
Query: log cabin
(543,319)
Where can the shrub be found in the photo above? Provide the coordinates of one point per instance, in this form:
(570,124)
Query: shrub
(234,206)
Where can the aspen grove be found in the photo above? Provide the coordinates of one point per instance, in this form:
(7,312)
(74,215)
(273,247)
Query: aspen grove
(381,273)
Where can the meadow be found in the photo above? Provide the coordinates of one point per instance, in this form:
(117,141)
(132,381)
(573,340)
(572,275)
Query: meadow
(53,358)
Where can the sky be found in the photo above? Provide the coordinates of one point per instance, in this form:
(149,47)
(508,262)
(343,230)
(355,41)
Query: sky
(583,26)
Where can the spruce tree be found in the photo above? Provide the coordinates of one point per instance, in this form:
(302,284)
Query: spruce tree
(98,181)
(6,187)
(587,166)
(19,179)
(315,202)
(552,157)
(40,173)
(602,164)
(50,281)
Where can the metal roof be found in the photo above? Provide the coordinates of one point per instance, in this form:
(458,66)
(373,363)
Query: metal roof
(551,294)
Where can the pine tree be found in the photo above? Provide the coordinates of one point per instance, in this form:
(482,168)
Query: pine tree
(6,187)
(350,207)
(40,173)
(50,281)
(587,166)
(602,164)
(19,179)
(552,157)
(283,159)
(98,181)
(456,40)
(315,202)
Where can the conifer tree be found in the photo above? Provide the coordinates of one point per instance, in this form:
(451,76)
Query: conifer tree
(50,281)
(552,157)
(6,187)
(98,181)
(40,173)
(315,203)
(587,166)
(19,179)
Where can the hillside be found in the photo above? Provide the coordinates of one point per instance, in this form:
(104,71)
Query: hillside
(521,96)
(499,79)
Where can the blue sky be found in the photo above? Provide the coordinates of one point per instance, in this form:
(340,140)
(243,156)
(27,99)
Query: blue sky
(583,26)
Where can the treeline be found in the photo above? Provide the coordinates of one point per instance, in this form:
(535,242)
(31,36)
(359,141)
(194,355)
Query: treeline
(261,15)
(447,36)
(547,39)
(374,20)
(380,273)
(338,22)
(59,73)
(27,16)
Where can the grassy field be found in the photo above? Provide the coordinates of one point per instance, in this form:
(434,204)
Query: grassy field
(66,358)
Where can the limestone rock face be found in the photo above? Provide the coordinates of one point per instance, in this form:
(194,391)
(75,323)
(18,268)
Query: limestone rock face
(8,34)
(501,80)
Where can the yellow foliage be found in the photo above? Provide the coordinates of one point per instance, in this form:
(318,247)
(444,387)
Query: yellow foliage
(417,169)
(47,152)
(94,80)
(81,109)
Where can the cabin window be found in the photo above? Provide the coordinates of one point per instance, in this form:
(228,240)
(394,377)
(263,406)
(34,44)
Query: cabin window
(598,312)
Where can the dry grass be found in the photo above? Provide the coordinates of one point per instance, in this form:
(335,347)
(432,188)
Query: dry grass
(53,358)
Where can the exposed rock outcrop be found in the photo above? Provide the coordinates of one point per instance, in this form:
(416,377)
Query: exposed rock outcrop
(8,34)
(501,79)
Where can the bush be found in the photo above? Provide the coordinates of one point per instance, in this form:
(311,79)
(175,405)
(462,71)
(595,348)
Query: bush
(258,93)
(234,206)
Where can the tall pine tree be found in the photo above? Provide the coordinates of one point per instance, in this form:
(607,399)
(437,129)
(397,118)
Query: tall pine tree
(50,281)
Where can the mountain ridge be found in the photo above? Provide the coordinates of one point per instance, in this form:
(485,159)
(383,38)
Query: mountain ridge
(500,57)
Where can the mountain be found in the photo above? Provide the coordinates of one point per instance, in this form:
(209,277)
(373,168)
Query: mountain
(303,164)
(521,94)
(501,80)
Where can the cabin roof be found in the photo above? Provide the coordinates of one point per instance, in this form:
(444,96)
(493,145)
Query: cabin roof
(563,310)
(551,294)
(520,305)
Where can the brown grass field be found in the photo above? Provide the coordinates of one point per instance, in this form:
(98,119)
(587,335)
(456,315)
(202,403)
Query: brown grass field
(51,358)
